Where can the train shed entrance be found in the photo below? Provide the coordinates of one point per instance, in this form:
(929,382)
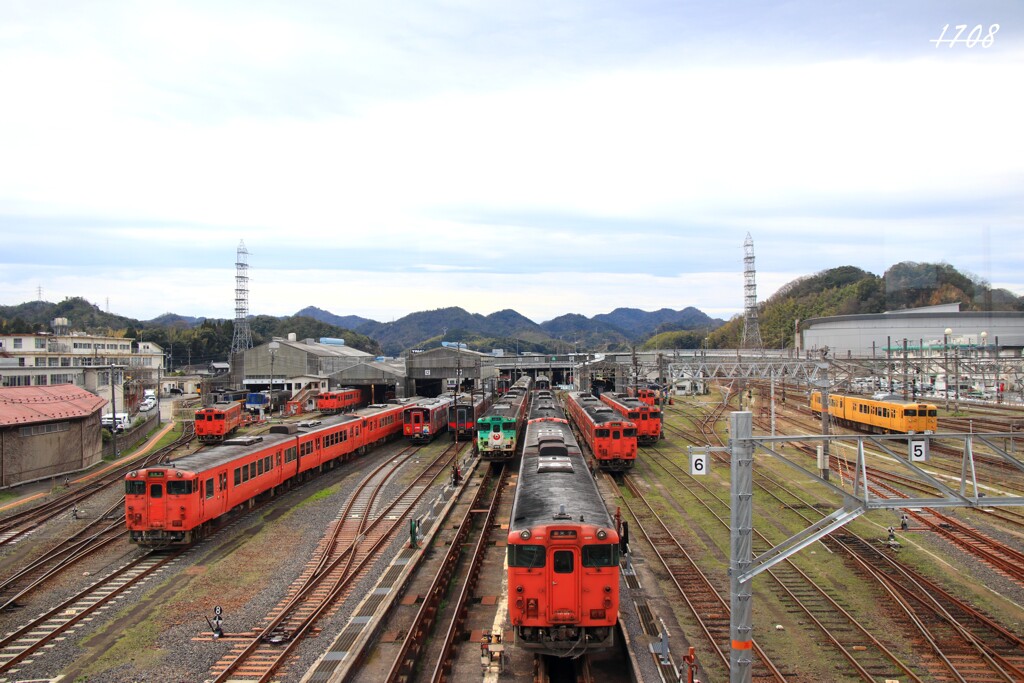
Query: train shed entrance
(450,368)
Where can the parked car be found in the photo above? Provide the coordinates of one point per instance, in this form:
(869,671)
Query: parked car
(147,404)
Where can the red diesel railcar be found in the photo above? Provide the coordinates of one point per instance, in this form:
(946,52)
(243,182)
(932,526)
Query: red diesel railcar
(177,503)
(338,401)
(463,413)
(217,422)
(647,418)
(421,423)
(563,553)
(611,439)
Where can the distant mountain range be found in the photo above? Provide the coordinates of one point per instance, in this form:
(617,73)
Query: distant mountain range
(210,338)
(509,329)
(846,290)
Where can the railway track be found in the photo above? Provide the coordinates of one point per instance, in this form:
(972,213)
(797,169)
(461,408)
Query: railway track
(15,526)
(17,647)
(364,527)
(708,606)
(456,576)
(101,531)
(956,641)
(867,657)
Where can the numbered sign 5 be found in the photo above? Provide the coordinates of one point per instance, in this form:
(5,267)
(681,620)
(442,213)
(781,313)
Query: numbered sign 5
(698,463)
(918,450)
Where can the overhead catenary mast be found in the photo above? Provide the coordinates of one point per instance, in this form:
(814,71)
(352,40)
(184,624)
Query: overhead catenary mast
(751,328)
(242,338)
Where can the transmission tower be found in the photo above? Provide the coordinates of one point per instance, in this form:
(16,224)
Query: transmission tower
(751,329)
(242,339)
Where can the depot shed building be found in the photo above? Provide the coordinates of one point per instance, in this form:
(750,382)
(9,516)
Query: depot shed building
(922,330)
(48,431)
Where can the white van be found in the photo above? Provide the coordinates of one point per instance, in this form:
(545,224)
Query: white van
(118,422)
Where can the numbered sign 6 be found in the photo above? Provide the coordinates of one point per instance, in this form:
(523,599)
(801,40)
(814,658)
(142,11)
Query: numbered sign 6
(698,463)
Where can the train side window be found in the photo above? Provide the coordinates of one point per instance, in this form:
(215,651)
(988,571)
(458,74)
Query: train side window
(529,556)
(209,488)
(179,488)
(252,470)
(223,481)
(259,466)
(135,488)
(156,491)
(604,555)
(238,476)
(563,562)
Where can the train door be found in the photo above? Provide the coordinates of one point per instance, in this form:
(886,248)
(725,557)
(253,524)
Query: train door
(157,505)
(565,603)
(462,418)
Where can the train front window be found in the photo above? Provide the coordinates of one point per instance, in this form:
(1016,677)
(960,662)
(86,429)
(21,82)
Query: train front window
(135,488)
(156,491)
(563,562)
(529,556)
(604,555)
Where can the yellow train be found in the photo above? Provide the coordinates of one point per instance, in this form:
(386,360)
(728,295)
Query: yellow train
(879,415)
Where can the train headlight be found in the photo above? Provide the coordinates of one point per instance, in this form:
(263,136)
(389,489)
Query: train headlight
(525,534)
(601,534)
(133,473)
(179,474)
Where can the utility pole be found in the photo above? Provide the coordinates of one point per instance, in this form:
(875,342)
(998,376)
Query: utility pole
(113,411)
(823,365)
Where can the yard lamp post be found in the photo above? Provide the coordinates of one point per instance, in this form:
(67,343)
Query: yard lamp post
(945,351)
(981,361)
(273,346)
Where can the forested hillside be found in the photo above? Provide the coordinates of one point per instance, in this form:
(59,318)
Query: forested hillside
(849,290)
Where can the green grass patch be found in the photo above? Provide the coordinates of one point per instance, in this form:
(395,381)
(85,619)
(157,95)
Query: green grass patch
(326,492)
(136,645)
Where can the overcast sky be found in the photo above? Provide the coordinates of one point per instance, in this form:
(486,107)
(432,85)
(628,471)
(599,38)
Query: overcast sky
(382,158)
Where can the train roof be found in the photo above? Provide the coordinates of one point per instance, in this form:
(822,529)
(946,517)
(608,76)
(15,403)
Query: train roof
(555,485)
(631,402)
(879,398)
(432,402)
(599,411)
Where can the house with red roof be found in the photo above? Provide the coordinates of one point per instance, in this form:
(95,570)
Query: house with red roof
(48,431)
